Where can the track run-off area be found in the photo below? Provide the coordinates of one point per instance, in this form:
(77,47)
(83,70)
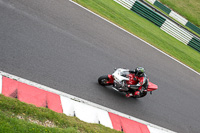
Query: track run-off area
(60,45)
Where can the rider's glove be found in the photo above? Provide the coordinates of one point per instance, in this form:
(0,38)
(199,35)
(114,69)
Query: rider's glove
(132,71)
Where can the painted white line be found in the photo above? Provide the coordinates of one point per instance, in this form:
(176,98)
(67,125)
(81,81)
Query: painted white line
(154,130)
(67,105)
(1,84)
(135,37)
(74,98)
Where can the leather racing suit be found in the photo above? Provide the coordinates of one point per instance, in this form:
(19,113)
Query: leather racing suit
(138,82)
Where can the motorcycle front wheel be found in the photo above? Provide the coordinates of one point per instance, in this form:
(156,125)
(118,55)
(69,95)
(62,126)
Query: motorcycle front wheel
(103,80)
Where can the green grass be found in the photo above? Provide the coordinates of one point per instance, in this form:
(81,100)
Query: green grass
(144,29)
(19,117)
(190,9)
(173,18)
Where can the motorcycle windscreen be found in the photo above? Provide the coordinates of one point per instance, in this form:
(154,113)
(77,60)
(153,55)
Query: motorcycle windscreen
(152,87)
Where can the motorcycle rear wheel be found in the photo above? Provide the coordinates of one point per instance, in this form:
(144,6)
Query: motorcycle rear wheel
(103,80)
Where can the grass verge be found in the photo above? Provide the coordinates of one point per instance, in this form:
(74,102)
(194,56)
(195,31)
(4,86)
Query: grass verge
(144,29)
(19,117)
(190,9)
(173,18)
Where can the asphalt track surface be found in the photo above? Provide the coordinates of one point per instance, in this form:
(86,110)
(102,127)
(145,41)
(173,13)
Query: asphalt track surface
(60,45)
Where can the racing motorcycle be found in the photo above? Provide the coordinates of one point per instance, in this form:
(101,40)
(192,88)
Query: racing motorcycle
(121,78)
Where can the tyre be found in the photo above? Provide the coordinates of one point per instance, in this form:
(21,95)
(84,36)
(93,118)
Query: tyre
(103,80)
(144,93)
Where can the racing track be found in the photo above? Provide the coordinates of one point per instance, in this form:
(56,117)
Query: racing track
(60,45)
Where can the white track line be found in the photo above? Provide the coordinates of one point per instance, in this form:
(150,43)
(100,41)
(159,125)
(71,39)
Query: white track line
(135,37)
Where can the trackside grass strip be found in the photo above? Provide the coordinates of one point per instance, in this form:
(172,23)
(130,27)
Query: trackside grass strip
(174,18)
(190,9)
(19,117)
(144,29)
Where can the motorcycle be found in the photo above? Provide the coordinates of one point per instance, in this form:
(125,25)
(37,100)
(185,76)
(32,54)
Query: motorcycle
(121,78)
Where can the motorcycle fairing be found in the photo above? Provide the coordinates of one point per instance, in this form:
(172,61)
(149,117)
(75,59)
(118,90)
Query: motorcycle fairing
(152,87)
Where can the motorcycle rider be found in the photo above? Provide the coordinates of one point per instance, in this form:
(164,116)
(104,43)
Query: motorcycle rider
(141,82)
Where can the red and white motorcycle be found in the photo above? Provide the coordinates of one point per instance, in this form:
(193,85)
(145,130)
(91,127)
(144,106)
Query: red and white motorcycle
(121,78)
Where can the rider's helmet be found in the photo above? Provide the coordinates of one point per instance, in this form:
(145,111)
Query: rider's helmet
(139,71)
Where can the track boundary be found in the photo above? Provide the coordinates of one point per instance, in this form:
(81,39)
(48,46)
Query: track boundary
(83,101)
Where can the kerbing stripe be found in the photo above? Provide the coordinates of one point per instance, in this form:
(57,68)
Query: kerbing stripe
(85,112)
(152,1)
(178,17)
(155,130)
(68,98)
(127,4)
(0,84)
